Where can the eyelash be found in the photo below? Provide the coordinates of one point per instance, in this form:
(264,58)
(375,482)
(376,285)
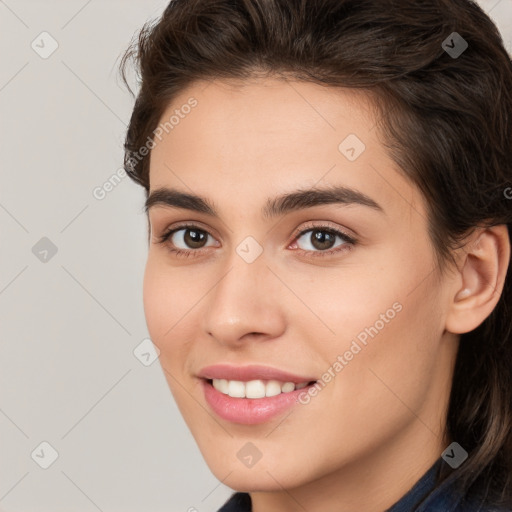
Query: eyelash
(182,253)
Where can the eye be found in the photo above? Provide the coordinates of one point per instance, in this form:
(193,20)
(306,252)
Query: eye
(189,236)
(322,239)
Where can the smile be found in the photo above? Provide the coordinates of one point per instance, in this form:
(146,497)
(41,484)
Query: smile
(251,394)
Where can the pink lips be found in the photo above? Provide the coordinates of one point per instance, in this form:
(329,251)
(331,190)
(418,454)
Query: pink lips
(249,411)
(251,372)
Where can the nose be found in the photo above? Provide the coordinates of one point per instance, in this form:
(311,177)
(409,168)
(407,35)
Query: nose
(247,302)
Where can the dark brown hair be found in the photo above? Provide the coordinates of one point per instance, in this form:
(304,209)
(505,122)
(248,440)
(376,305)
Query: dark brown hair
(446,121)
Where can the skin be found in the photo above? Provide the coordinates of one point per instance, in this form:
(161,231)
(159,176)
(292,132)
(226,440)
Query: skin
(380,423)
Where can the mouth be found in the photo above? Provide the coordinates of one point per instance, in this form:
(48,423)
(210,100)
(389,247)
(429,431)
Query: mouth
(251,394)
(252,402)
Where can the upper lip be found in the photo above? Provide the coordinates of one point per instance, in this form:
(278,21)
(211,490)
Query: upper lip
(251,372)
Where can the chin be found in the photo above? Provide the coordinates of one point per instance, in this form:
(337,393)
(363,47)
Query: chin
(270,475)
(252,480)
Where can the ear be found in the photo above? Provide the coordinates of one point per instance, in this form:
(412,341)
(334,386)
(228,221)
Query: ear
(479,279)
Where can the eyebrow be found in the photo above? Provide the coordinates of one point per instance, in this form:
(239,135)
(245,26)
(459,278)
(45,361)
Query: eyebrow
(274,207)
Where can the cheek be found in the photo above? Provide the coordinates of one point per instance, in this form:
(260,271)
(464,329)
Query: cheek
(388,325)
(390,290)
(168,293)
(156,301)
(165,300)
(166,303)
(171,297)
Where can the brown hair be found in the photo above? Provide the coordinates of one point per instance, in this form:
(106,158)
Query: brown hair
(446,121)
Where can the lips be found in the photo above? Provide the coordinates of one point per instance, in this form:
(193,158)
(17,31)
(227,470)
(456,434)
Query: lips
(263,406)
(251,372)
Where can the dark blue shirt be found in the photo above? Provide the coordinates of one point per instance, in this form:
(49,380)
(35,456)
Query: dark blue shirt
(422,497)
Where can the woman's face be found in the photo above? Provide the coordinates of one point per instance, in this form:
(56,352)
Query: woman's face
(341,289)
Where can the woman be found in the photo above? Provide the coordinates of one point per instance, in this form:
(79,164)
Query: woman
(328,277)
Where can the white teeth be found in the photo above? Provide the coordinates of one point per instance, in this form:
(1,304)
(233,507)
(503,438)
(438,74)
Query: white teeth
(273,388)
(221,385)
(287,387)
(236,389)
(254,388)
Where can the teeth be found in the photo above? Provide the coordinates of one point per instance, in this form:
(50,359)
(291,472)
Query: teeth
(222,386)
(273,388)
(254,388)
(236,389)
(287,387)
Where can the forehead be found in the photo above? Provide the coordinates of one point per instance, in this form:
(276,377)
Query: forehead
(268,106)
(273,135)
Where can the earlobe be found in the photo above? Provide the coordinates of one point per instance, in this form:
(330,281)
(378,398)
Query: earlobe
(481,278)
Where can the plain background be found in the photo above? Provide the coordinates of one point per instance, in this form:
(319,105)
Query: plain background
(72,319)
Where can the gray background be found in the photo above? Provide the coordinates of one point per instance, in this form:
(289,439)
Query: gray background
(71,320)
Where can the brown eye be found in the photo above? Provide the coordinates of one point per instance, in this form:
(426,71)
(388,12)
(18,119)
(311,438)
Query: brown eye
(194,238)
(191,238)
(323,239)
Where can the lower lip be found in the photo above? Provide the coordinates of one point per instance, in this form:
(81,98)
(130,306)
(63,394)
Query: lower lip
(249,411)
